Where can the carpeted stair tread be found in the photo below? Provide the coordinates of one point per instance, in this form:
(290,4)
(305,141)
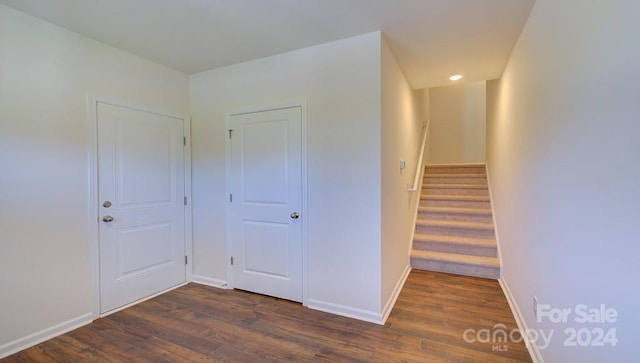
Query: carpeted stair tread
(455,169)
(452,168)
(447,166)
(454,176)
(439,238)
(454,186)
(479,261)
(474,198)
(453,210)
(454,231)
(453,224)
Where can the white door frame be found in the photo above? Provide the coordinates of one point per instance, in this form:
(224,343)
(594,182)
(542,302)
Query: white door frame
(93,203)
(302,103)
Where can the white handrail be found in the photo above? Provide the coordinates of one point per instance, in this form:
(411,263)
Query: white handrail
(419,166)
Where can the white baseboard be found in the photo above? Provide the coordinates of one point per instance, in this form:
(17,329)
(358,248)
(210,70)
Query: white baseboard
(394,295)
(203,280)
(45,334)
(343,310)
(533,349)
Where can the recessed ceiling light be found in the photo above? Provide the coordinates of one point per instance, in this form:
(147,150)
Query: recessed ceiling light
(455,77)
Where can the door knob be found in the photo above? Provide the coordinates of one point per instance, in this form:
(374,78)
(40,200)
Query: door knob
(107,219)
(295,215)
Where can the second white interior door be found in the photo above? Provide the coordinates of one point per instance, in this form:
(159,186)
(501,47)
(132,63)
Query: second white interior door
(266,219)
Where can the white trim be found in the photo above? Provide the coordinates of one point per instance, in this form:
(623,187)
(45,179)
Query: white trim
(388,307)
(416,202)
(135,106)
(208,281)
(228,191)
(304,207)
(347,311)
(188,213)
(493,216)
(416,205)
(120,308)
(534,351)
(45,334)
(302,103)
(417,186)
(93,203)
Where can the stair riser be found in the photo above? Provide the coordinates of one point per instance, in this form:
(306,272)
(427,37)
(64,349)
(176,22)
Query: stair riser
(435,247)
(454,203)
(456,170)
(456,248)
(456,217)
(448,180)
(455,191)
(454,231)
(455,268)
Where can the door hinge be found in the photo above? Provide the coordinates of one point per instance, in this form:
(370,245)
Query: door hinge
(184,141)
(230,198)
(185,200)
(230,132)
(186,260)
(231,260)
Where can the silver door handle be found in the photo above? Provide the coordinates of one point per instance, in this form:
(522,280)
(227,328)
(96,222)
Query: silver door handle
(295,215)
(107,219)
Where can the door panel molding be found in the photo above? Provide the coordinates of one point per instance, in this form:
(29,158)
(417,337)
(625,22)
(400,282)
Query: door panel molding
(298,103)
(92,197)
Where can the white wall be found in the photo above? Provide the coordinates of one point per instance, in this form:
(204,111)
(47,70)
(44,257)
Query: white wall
(45,75)
(564,163)
(403,114)
(342,83)
(458,118)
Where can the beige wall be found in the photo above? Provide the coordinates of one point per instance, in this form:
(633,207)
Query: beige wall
(457,130)
(564,164)
(46,73)
(403,113)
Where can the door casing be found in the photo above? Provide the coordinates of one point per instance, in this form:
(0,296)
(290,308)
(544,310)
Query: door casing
(93,204)
(302,103)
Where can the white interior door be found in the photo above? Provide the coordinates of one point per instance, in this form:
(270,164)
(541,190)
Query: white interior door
(141,210)
(266,183)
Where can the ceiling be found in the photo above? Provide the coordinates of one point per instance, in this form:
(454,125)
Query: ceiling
(432,39)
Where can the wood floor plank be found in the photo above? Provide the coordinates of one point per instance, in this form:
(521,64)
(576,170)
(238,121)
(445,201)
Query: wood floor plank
(115,341)
(197,323)
(65,348)
(177,331)
(175,352)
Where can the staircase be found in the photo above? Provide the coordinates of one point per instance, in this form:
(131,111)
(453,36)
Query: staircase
(454,227)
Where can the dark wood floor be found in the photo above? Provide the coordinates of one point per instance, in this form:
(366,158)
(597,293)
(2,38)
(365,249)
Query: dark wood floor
(197,323)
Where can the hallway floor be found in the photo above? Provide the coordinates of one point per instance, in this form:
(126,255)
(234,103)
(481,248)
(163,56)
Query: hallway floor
(435,319)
